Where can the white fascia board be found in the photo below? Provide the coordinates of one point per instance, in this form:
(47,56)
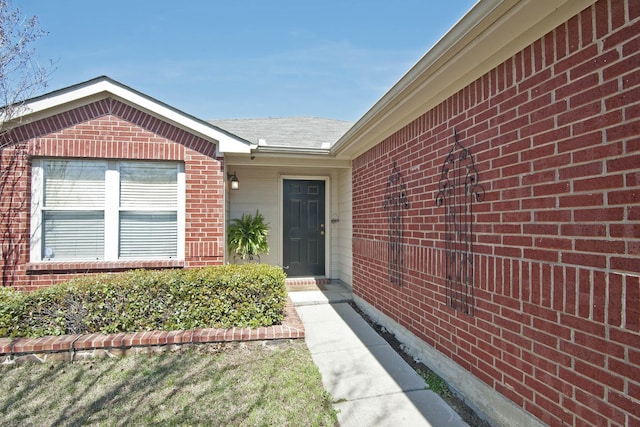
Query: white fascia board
(492,32)
(98,88)
(279,160)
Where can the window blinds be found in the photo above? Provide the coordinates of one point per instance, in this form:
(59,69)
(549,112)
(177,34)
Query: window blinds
(73,222)
(73,235)
(148,235)
(74,207)
(74,184)
(148,186)
(148,202)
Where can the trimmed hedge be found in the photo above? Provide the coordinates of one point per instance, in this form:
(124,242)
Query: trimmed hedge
(250,295)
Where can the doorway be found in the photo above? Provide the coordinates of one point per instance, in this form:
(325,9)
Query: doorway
(304,227)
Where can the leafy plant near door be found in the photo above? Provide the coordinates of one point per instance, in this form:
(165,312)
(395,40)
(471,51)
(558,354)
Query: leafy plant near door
(247,236)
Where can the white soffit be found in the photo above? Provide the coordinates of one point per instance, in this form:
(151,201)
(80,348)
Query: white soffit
(490,33)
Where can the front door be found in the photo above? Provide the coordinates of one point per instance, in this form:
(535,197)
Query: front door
(304,227)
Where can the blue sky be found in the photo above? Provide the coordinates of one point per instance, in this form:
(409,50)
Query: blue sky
(244,58)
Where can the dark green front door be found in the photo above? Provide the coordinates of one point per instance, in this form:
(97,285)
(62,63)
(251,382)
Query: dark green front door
(304,228)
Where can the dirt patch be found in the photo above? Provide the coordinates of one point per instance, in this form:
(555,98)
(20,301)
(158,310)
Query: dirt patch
(455,402)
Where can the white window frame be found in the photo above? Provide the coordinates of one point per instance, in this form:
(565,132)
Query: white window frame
(111,210)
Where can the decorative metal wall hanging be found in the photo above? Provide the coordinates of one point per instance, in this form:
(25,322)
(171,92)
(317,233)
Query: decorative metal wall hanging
(458,188)
(395,200)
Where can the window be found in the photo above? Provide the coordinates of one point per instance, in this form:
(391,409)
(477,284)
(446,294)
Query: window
(73,210)
(148,202)
(107,210)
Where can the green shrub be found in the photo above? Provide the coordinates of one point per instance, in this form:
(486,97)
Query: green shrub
(49,311)
(132,301)
(10,301)
(249,295)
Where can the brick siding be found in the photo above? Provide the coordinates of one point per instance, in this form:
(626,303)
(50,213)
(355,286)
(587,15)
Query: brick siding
(107,129)
(555,133)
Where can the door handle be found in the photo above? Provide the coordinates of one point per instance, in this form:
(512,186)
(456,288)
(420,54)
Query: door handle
(322,233)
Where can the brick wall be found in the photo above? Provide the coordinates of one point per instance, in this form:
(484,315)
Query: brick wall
(555,134)
(107,129)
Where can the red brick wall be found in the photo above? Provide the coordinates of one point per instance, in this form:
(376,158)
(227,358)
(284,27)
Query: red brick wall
(555,133)
(107,129)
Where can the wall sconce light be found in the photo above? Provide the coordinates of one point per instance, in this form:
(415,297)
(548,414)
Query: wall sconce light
(235,183)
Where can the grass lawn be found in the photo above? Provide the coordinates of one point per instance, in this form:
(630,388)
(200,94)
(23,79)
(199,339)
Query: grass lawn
(255,385)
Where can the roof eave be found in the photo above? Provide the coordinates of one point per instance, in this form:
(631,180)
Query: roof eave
(490,33)
(287,159)
(103,87)
(292,150)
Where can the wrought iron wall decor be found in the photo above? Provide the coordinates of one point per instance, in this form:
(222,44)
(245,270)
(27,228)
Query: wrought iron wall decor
(458,188)
(395,200)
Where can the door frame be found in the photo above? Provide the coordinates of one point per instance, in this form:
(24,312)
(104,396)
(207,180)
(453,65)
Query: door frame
(327,210)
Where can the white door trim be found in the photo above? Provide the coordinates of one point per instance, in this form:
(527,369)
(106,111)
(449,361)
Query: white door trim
(327,215)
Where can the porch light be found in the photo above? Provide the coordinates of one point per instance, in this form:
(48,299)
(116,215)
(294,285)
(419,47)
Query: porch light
(235,183)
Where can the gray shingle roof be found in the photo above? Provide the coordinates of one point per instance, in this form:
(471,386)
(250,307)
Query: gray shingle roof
(290,132)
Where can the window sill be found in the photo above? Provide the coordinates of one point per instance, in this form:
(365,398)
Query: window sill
(99,266)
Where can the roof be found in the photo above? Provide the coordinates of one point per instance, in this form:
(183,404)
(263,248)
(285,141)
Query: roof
(105,87)
(287,132)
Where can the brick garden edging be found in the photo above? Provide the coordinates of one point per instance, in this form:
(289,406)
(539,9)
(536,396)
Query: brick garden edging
(68,347)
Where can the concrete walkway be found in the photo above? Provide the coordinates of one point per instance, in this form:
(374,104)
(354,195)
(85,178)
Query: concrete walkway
(370,383)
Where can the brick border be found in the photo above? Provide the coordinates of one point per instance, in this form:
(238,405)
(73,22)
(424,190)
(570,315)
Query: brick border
(68,346)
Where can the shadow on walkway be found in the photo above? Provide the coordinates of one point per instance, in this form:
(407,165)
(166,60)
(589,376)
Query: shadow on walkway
(369,381)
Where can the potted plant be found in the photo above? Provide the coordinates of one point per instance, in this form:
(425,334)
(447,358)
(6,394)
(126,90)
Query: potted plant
(247,237)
